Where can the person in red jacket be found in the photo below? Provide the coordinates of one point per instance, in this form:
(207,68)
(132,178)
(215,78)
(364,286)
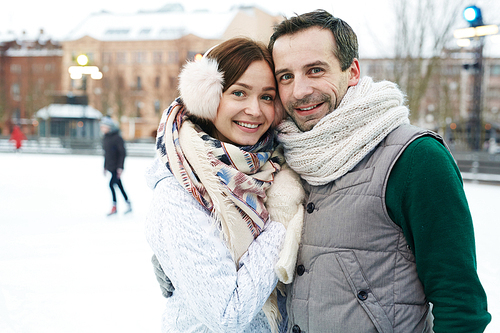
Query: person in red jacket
(17,136)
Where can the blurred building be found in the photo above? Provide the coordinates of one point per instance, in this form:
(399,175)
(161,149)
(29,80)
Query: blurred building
(447,101)
(140,57)
(30,73)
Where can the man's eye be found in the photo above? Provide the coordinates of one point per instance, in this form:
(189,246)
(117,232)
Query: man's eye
(268,98)
(286,77)
(316,70)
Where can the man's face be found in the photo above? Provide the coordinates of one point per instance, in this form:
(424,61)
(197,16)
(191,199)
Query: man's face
(310,80)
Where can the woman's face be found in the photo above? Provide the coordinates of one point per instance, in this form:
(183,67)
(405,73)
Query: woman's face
(246,109)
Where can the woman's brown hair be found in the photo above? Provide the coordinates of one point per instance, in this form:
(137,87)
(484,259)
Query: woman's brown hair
(234,56)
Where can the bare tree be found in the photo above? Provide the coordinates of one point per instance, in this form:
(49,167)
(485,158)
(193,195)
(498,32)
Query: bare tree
(423,30)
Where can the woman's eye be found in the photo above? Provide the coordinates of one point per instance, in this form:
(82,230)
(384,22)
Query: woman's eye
(238,93)
(268,98)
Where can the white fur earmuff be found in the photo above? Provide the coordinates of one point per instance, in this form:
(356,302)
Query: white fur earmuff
(200,87)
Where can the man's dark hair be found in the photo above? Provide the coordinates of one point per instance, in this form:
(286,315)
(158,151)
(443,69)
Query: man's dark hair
(347,42)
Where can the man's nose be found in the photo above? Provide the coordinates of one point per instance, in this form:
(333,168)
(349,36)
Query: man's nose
(301,87)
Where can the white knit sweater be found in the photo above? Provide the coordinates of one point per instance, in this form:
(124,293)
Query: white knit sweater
(210,295)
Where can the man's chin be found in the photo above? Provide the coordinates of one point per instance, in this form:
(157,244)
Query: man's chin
(305,125)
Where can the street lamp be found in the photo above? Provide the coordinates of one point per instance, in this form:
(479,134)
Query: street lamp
(76,72)
(472,14)
(475,33)
(82,60)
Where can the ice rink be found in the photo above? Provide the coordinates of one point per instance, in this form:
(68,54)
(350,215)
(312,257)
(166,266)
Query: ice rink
(65,267)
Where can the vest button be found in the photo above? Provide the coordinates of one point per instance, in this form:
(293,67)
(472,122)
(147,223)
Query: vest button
(296,329)
(363,295)
(300,270)
(310,207)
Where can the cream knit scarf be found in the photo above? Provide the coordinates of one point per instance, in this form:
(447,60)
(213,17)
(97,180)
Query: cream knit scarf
(368,112)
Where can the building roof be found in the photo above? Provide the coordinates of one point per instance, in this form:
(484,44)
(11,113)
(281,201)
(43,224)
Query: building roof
(68,111)
(163,24)
(33,53)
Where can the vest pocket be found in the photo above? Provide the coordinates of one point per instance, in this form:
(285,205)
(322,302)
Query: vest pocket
(361,291)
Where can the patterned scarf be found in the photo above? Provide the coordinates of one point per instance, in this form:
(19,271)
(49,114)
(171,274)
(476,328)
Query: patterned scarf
(229,181)
(367,114)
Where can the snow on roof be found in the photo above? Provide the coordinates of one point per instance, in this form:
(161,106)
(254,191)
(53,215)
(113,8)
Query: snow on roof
(158,25)
(10,35)
(33,53)
(68,111)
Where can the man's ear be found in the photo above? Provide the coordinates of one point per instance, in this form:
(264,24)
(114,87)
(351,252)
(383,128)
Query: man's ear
(354,73)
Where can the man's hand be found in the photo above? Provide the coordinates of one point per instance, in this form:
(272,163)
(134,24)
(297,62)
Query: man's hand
(166,286)
(119,173)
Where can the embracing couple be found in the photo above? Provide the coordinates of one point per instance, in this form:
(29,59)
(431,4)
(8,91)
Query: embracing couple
(291,194)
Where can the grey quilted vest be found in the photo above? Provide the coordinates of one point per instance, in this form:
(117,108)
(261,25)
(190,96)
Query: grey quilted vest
(355,271)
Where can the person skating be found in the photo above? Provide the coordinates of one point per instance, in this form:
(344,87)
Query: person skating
(114,158)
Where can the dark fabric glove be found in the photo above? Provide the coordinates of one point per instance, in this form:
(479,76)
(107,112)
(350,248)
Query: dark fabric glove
(165,284)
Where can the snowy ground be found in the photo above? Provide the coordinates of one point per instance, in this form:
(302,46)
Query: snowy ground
(66,267)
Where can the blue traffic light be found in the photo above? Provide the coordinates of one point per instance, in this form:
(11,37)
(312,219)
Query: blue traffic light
(472,14)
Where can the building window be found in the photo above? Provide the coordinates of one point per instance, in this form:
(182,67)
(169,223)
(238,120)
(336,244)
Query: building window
(121,58)
(37,68)
(139,57)
(138,85)
(157,107)
(452,70)
(49,67)
(173,81)
(493,92)
(120,82)
(90,56)
(495,70)
(173,57)
(107,57)
(117,32)
(15,91)
(15,68)
(157,57)
(138,107)
(191,55)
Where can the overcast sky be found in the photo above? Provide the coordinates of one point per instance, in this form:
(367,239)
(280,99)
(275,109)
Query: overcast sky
(57,16)
(373,20)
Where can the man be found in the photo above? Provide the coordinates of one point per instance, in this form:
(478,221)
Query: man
(114,158)
(387,229)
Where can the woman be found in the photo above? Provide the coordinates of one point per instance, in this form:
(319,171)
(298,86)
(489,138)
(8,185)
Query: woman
(208,225)
(114,159)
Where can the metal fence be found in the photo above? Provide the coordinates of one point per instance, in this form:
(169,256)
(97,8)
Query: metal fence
(474,166)
(54,145)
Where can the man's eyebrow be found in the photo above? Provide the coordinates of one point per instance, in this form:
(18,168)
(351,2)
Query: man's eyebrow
(281,71)
(309,65)
(317,63)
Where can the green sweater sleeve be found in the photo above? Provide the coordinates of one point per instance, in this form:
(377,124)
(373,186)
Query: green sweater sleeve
(425,197)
